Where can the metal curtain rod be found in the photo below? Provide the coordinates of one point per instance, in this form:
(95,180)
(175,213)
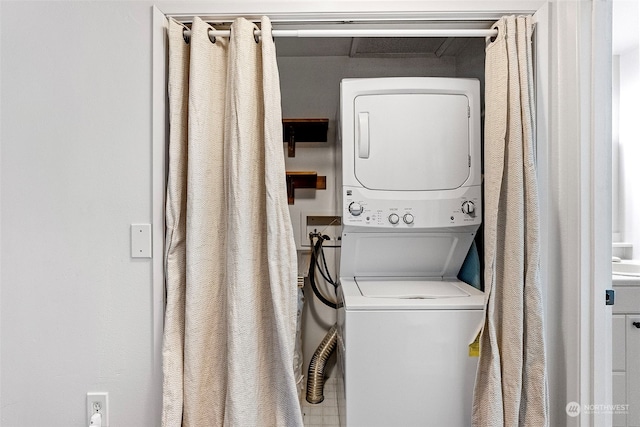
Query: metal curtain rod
(408,32)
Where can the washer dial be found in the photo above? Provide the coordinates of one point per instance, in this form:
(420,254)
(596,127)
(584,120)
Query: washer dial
(355,208)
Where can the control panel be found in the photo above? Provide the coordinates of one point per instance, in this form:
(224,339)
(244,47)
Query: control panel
(363,211)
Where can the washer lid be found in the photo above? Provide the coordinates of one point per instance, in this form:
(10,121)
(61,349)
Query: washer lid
(351,298)
(409,288)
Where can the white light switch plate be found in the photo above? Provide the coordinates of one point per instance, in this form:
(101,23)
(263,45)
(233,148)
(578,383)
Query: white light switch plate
(141,240)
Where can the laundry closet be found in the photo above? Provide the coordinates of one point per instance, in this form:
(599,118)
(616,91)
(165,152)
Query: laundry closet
(311,71)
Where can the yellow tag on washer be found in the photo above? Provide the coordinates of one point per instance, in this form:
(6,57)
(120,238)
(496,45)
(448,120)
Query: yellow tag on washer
(474,347)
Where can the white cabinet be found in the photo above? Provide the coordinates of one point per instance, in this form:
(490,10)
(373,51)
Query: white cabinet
(626,351)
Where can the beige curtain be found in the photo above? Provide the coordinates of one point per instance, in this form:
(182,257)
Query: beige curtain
(231,263)
(511,383)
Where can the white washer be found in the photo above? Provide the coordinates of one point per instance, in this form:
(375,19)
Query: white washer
(405,361)
(410,195)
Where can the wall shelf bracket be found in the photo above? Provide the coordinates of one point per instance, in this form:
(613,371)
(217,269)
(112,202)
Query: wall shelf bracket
(303,180)
(303,130)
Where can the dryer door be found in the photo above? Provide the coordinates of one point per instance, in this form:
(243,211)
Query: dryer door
(416,142)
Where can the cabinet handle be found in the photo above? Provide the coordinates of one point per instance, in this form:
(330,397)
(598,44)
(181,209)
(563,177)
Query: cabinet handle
(636,324)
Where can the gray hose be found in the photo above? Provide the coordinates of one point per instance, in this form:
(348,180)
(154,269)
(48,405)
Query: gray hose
(315,375)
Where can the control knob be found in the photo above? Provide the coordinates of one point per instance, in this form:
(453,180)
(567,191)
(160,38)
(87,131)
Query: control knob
(468,207)
(408,218)
(394,218)
(355,208)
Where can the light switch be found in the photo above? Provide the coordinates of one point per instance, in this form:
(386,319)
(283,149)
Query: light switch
(141,240)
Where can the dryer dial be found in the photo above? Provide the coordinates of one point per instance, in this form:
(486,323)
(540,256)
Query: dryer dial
(468,207)
(394,218)
(355,208)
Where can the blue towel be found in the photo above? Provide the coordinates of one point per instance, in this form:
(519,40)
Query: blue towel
(470,270)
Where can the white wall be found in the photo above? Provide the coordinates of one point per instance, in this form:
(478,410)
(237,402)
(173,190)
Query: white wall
(75,173)
(629,148)
(626,150)
(616,227)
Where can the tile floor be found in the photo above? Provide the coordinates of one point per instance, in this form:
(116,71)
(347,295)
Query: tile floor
(324,413)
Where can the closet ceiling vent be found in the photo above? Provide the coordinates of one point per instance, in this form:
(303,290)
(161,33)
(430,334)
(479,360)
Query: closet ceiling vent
(372,47)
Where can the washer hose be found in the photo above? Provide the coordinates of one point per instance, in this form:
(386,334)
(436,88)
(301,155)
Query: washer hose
(312,273)
(315,375)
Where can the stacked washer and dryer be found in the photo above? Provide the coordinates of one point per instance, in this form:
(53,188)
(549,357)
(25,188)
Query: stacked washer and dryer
(409,186)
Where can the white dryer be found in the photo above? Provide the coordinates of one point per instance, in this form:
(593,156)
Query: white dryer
(410,195)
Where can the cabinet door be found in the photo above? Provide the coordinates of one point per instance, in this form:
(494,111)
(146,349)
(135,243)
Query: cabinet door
(619,395)
(633,371)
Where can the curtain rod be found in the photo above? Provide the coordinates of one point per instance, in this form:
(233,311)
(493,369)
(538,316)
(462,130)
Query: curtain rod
(407,32)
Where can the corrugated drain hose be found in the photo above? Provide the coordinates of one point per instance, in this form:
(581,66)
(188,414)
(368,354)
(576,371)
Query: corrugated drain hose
(315,375)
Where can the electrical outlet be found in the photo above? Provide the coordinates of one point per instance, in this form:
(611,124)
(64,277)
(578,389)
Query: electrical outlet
(98,402)
(327,225)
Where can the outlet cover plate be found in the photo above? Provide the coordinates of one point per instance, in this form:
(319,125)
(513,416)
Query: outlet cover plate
(102,398)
